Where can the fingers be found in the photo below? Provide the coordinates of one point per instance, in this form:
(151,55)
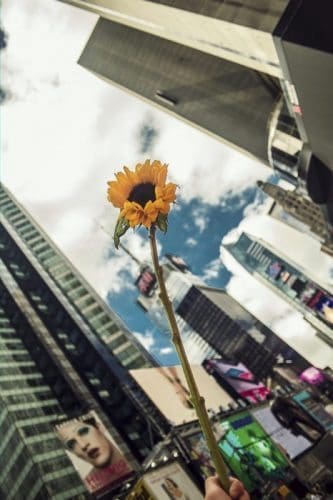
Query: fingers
(214,490)
(237,490)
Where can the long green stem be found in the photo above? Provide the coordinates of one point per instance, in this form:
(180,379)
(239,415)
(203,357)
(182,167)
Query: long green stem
(197,400)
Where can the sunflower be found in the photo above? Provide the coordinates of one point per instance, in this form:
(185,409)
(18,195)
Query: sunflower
(143,197)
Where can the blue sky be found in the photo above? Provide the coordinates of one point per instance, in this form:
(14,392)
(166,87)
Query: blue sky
(66,134)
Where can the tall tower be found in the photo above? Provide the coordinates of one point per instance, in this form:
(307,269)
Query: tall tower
(214,66)
(288,280)
(246,72)
(63,354)
(302,209)
(213,324)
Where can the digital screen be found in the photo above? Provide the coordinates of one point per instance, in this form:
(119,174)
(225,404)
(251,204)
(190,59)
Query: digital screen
(250,452)
(200,454)
(298,286)
(325,308)
(293,445)
(307,293)
(284,276)
(312,303)
(312,376)
(146,281)
(241,380)
(315,409)
(274,270)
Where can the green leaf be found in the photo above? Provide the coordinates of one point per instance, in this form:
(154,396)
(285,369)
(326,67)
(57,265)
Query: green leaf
(120,229)
(162,222)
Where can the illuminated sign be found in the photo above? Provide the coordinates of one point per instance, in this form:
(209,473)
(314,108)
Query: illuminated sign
(240,379)
(250,452)
(146,282)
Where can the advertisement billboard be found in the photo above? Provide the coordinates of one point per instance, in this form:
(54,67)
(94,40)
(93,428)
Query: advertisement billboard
(312,376)
(146,282)
(167,388)
(292,444)
(200,455)
(274,270)
(324,308)
(171,482)
(250,452)
(240,379)
(93,452)
(315,409)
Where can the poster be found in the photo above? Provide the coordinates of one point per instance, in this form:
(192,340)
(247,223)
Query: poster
(171,482)
(167,388)
(93,452)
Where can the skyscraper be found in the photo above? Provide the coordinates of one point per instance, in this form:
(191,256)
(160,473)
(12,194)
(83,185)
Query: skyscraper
(304,211)
(288,280)
(247,72)
(179,281)
(213,67)
(214,324)
(63,353)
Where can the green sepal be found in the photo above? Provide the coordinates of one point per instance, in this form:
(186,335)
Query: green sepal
(120,229)
(162,222)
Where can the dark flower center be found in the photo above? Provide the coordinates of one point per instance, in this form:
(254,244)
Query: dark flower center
(141,193)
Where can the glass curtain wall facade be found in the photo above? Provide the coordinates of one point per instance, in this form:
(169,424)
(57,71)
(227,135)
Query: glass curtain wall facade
(233,332)
(80,298)
(286,279)
(178,284)
(57,360)
(33,393)
(211,93)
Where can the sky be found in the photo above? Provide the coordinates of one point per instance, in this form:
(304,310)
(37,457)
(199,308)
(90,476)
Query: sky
(65,133)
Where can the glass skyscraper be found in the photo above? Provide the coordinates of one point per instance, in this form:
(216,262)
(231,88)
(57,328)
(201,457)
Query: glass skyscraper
(62,352)
(213,323)
(288,280)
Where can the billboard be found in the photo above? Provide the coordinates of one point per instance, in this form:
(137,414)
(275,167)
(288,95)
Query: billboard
(93,452)
(171,482)
(146,282)
(315,409)
(167,388)
(312,376)
(250,452)
(292,444)
(240,379)
(324,308)
(200,455)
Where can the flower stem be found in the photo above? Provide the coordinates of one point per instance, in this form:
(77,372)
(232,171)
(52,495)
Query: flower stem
(197,400)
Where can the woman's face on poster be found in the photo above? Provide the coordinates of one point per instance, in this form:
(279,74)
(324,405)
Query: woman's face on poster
(87,442)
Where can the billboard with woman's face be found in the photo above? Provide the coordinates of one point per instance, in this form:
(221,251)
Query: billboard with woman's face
(93,452)
(167,388)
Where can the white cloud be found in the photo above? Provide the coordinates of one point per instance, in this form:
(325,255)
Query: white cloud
(146,339)
(166,350)
(191,242)
(212,269)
